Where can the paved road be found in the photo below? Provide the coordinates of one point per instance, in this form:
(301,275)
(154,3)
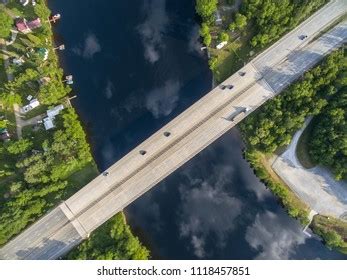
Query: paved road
(190,132)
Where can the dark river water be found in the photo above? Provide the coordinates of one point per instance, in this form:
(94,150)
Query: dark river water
(137,65)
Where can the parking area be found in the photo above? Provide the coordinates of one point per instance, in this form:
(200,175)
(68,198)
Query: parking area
(315,186)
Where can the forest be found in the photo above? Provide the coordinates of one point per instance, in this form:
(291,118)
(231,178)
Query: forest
(267,20)
(38,171)
(328,140)
(112,241)
(40,168)
(320,93)
(270,19)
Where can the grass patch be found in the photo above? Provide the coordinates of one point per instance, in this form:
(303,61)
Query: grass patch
(37,134)
(8,114)
(231,58)
(332,230)
(35,112)
(81,177)
(291,202)
(3,76)
(302,148)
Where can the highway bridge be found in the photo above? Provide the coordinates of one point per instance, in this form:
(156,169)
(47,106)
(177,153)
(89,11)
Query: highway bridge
(181,139)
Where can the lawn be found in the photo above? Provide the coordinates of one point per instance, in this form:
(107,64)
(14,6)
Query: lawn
(80,178)
(302,148)
(293,198)
(35,112)
(231,58)
(323,225)
(3,77)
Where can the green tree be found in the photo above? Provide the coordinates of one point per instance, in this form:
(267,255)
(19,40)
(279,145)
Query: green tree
(223,37)
(272,18)
(274,124)
(213,63)
(52,92)
(328,139)
(112,241)
(240,21)
(333,240)
(3,123)
(206,9)
(6,23)
(205,34)
(19,147)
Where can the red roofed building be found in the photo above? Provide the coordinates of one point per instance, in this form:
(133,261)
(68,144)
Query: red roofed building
(25,26)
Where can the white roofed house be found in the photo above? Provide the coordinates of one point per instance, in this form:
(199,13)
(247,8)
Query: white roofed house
(48,122)
(51,113)
(32,104)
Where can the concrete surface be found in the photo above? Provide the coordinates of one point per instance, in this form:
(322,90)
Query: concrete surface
(315,186)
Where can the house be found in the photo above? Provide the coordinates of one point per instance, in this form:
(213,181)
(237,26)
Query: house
(32,104)
(26,27)
(51,114)
(48,123)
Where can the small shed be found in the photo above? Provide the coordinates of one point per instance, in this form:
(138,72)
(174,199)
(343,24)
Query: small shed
(221,45)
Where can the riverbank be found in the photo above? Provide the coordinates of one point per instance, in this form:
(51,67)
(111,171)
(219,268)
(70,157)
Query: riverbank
(263,137)
(267,138)
(234,32)
(42,166)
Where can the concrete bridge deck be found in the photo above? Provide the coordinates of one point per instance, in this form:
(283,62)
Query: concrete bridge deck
(190,132)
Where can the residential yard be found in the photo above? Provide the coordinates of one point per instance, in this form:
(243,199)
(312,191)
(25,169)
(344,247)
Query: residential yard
(44,166)
(47,165)
(231,58)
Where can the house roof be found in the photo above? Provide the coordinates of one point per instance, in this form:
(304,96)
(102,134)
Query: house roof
(55,111)
(26,26)
(34,103)
(36,23)
(22,25)
(48,123)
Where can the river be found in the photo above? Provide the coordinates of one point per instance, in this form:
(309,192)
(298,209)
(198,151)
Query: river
(136,65)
